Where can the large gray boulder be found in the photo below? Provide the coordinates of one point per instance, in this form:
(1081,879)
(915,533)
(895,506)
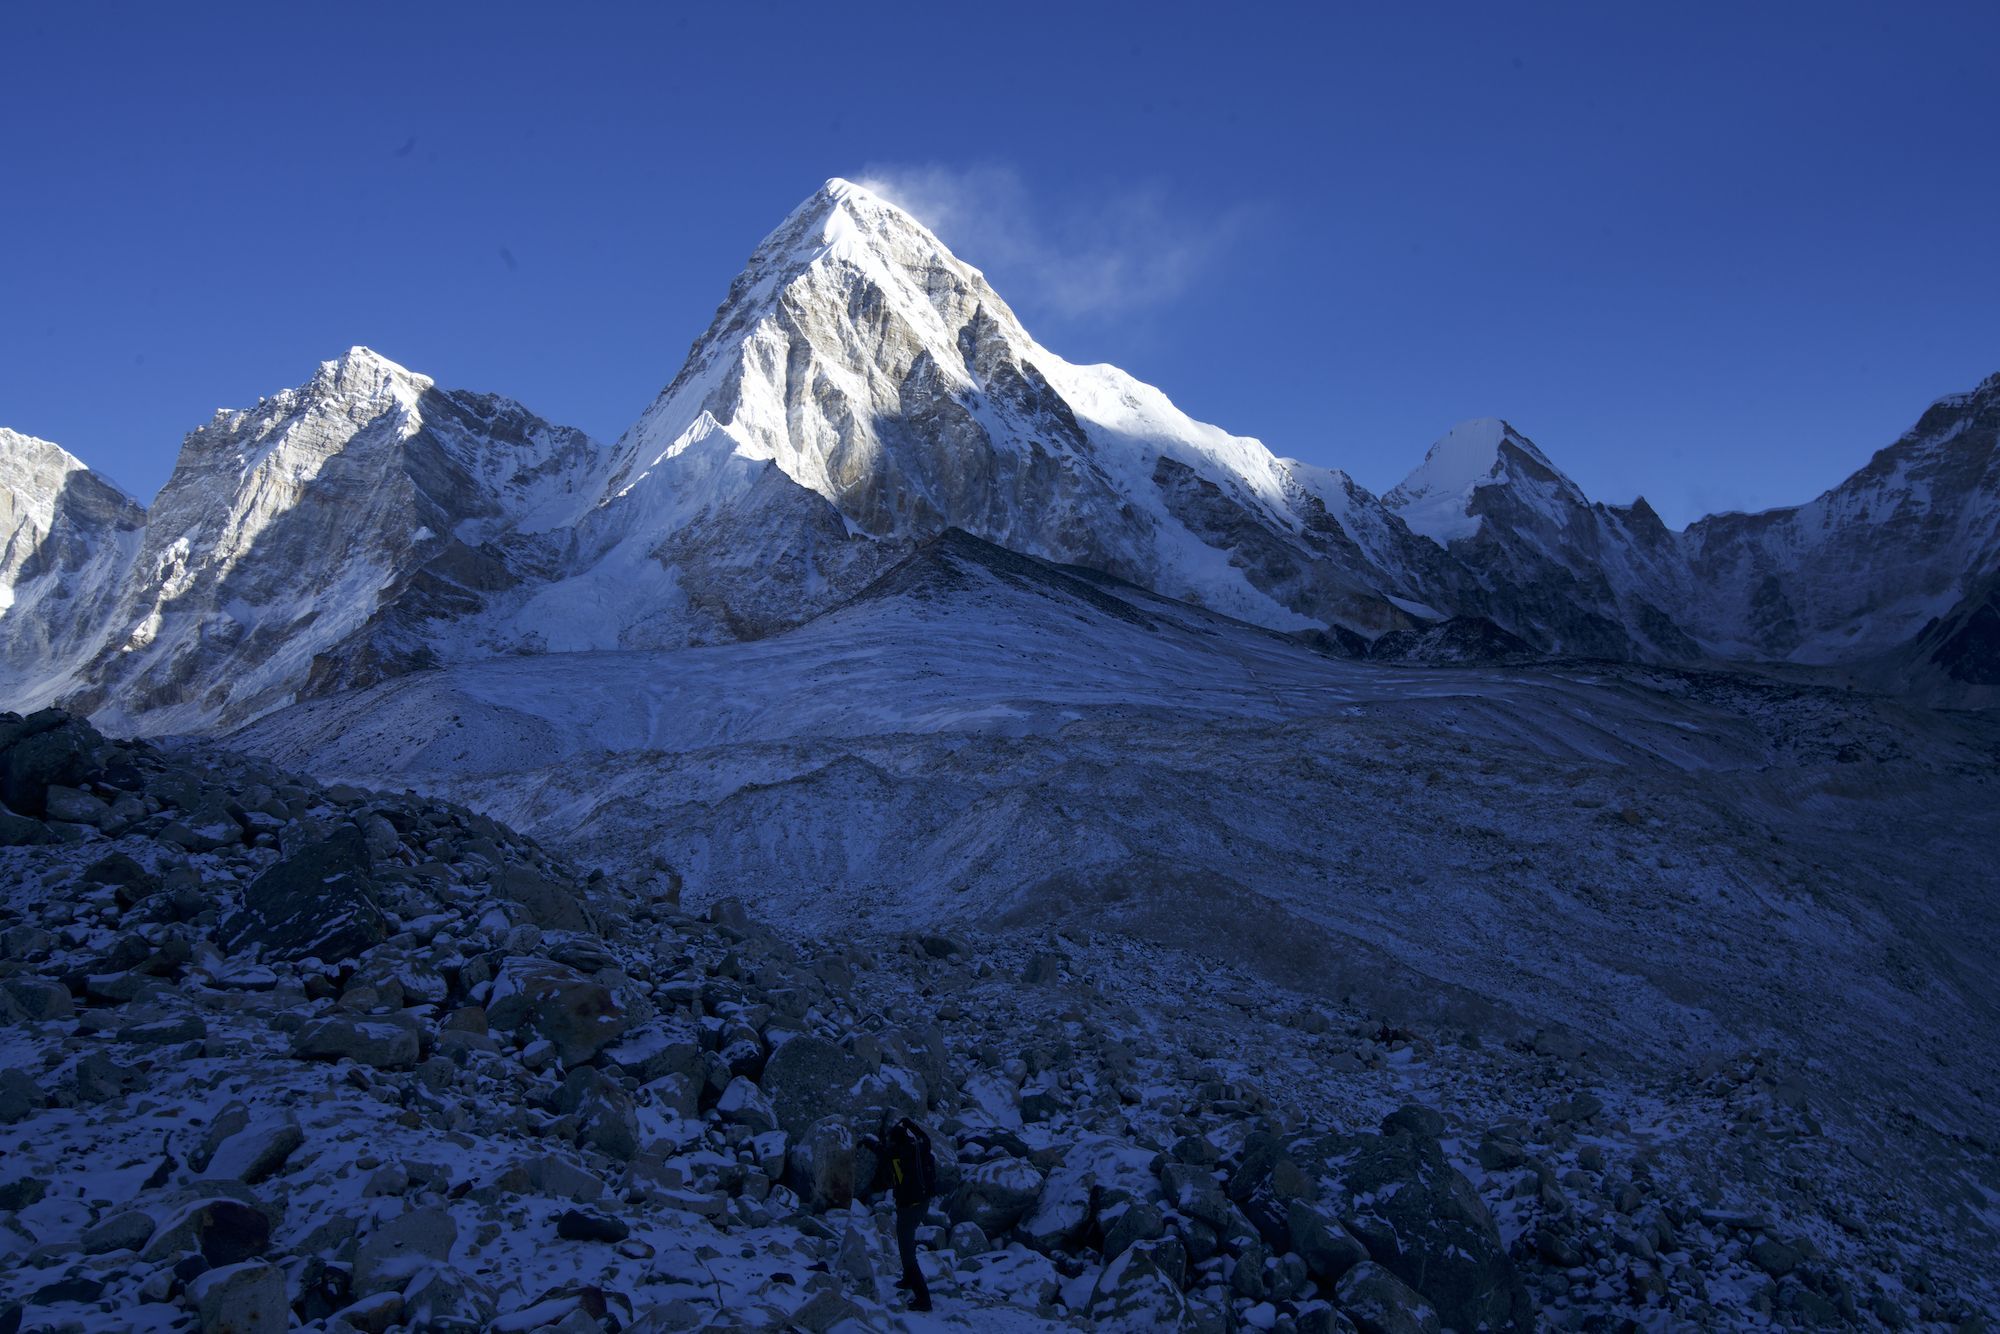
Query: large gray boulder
(807,1079)
(549,904)
(1423,1222)
(387,1042)
(255,1152)
(247,1298)
(820,1165)
(579,1016)
(59,751)
(996,1194)
(318,902)
(1380,1303)
(1136,1292)
(399,1249)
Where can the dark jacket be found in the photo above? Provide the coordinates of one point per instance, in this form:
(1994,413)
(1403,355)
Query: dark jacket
(906,1162)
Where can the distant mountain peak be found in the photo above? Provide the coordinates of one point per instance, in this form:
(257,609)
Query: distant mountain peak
(17,446)
(1436,498)
(363,373)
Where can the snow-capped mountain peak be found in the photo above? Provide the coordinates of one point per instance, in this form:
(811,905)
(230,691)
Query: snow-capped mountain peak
(361,372)
(1436,499)
(67,537)
(870,366)
(34,474)
(860,390)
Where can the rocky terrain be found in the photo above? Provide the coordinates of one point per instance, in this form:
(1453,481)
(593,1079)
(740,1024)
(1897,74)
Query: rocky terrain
(1476,907)
(278,1052)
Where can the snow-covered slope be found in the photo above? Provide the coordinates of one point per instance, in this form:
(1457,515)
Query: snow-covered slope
(1866,566)
(67,537)
(1680,865)
(1534,554)
(1440,499)
(859,391)
(309,542)
(1847,579)
(870,366)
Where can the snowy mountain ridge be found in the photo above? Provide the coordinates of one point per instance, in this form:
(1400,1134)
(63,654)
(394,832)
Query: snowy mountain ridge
(859,390)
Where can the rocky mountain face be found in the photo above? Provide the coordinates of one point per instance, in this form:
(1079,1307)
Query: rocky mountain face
(880,372)
(1850,579)
(279,1051)
(1867,566)
(861,390)
(67,539)
(310,542)
(1530,552)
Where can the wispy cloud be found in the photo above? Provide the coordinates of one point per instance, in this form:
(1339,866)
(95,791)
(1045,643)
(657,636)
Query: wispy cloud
(1097,256)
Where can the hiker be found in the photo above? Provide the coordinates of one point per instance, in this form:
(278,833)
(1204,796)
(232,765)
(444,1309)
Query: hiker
(906,1162)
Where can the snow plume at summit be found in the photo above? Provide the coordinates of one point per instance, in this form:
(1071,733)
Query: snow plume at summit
(1112,254)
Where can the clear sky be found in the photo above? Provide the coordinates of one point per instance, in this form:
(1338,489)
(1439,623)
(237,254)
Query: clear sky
(1717,255)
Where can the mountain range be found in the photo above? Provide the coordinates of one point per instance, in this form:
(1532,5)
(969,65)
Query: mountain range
(860,391)
(1167,817)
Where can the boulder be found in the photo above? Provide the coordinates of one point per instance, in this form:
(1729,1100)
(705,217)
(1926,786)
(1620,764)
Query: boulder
(247,1298)
(38,998)
(549,904)
(393,1254)
(1423,1222)
(579,1016)
(319,902)
(1135,1292)
(996,1194)
(1380,1303)
(820,1166)
(386,1042)
(808,1079)
(254,1153)
(20,1096)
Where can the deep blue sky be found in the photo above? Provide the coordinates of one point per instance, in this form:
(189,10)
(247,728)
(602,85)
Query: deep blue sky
(1716,256)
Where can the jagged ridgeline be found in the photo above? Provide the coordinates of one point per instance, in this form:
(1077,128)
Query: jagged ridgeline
(861,389)
(1289,908)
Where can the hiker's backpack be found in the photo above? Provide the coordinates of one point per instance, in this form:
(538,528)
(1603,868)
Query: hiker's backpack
(912,1168)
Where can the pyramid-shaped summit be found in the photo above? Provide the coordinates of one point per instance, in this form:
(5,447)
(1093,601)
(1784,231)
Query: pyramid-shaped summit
(860,391)
(870,366)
